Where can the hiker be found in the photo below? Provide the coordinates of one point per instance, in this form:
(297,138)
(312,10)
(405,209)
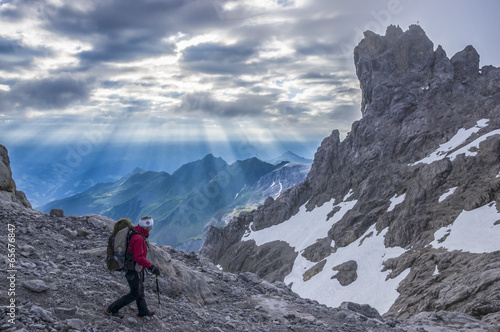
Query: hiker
(136,263)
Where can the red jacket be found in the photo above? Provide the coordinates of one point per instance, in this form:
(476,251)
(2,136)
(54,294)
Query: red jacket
(138,247)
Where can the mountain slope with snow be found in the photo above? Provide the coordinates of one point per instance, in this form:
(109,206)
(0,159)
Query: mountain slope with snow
(403,213)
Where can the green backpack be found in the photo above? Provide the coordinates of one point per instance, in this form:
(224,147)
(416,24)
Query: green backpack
(116,255)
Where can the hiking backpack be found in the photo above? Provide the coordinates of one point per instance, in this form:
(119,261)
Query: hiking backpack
(116,255)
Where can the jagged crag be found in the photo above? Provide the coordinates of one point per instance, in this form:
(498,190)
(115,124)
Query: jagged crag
(414,98)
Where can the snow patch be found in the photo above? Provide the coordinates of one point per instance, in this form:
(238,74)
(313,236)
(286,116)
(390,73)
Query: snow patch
(370,287)
(473,231)
(471,149)
(460,137)
(279,192)
(436,271)
(395,201)
(304,228)
(237,194)
(349,194)
(447,193)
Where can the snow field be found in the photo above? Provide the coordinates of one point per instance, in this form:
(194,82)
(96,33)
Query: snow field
(371,286)
(369,251)
(473,231)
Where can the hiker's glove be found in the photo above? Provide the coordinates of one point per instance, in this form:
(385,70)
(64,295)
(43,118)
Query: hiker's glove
(154,270)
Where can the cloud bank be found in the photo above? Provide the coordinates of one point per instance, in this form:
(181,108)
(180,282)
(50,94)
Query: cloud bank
(228,69)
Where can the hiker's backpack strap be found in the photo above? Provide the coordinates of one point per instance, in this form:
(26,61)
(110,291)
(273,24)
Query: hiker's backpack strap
(129,257)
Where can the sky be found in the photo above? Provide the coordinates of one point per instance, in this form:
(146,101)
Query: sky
(268,71)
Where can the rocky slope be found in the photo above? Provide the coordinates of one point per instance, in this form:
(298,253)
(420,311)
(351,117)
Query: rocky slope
(402,214)
(57,281)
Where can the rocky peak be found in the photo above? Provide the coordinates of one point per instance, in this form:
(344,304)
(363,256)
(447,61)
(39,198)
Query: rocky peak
(425,153)
(466,65)
(396,59)
(6,181)
(8,193)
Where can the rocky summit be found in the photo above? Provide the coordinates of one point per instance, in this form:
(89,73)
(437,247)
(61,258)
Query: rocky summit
(57,280)
(403,214)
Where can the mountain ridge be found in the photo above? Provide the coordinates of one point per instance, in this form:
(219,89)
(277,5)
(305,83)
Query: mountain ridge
(183,203)
(290,157)
(373,189)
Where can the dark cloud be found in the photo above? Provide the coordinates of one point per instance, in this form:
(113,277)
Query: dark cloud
(45,94)
(245,105)
(127,49)
(211,58)
(113,18)
(216,52)
(14,55)
(317,48)
(118,30)
(288,108)
(317,76)
(314,78)
(10,14)
(125,30)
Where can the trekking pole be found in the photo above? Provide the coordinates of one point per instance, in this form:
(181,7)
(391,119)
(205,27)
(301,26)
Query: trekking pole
(158,290)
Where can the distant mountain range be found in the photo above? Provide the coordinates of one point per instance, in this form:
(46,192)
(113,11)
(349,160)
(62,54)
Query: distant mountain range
(51,172)
(200,193)
(290,157)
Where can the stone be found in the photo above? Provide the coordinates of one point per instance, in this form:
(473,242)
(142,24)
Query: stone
(95,222)
(68,312)
(36,285)
(70,234)
(76,324)
(363,309)
(319,250)
(82,232)
(43,314)
(347,273)
(250,277)
(56,213)
(317,268)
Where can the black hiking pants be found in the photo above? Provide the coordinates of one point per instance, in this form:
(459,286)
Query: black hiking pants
(135,282)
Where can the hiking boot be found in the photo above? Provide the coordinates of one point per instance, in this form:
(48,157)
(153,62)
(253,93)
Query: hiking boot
(149,314)
(113,314)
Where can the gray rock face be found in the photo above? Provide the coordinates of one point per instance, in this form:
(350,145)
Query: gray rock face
(414,101)
(8,193)
(6,182)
